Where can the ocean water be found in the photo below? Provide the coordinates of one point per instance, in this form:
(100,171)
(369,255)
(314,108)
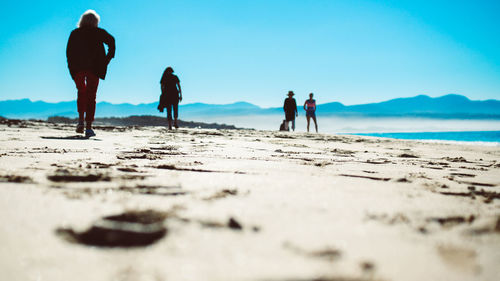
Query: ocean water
(473,137)
(452,130)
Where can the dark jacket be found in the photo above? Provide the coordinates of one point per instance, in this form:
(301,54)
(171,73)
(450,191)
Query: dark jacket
(169,90)
(290,108)
(85,51)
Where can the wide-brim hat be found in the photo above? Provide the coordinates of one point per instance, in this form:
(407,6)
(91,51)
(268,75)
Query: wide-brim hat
(290,93)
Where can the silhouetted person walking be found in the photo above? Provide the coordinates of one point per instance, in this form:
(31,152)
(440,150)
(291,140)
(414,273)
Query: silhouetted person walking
(171,95)
(290,108)
(87,62)
(310,108)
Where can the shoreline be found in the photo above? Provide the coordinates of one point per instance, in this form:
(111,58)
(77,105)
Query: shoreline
(140,121)
(488,138)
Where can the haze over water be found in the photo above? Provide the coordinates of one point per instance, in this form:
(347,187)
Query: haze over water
(331,124)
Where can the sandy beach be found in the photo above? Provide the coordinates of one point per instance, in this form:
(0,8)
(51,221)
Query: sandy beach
(145,203)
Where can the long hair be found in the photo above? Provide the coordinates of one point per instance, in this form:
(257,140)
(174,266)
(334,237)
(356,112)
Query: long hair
(89,18)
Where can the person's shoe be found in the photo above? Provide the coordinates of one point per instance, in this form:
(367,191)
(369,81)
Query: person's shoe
(89,133)
(175,125)
(79,128)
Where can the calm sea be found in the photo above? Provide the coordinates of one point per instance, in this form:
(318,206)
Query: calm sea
(479,137)
(478,131)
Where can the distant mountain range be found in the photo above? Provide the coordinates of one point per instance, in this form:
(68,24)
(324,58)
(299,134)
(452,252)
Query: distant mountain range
(448,106)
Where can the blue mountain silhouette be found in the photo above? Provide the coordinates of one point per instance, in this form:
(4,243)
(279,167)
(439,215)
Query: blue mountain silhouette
(448,106)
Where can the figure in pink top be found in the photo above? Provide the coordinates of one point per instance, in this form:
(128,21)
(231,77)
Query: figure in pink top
(310,108)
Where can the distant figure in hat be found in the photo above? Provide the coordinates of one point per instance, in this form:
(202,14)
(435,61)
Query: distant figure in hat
(310,108)
(290,108)
(87,62)
(171,95)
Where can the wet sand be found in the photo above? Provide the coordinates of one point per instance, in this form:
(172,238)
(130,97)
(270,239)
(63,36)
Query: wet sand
(137,203)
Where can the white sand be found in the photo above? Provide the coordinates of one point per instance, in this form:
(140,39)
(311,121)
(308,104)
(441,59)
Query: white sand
(312,206)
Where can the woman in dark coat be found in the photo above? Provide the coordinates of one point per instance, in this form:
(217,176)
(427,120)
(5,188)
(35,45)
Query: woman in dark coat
(171,95)
(290,108)
(87,62)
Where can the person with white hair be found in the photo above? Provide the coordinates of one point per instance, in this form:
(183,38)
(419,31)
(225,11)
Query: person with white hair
(87,62)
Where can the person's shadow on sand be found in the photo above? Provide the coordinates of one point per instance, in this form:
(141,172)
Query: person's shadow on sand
(75,137)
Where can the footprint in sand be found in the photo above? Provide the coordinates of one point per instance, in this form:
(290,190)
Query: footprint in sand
(155,190)
(130,229)
(327,253)
(407,155)
(63,175)
(365,177)
(447,222)
(232,223)
(488,196)
(459,258)
(16,179)
(222,194)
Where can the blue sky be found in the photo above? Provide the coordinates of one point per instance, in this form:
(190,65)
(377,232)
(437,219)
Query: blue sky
(226,51)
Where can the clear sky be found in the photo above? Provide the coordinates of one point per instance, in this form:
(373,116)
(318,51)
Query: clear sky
(351,51)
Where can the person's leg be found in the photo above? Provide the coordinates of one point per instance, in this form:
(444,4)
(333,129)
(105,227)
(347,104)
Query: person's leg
(81,117)
(82,93)
(79,79)
(308,121)
(293,125)
(169,115)
(176,113)
(315,123)
(92,84)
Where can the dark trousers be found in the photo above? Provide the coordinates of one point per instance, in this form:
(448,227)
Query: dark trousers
(86,83)
(175,107)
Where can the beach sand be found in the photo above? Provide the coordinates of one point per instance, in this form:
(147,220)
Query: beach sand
(145,203)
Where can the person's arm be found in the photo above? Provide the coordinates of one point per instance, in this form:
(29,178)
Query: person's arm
(180,90)
(69,47)
(305,105)
(284,106)
(70,53)
(162,82)
(161,103)
(109,40)
(295,108)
